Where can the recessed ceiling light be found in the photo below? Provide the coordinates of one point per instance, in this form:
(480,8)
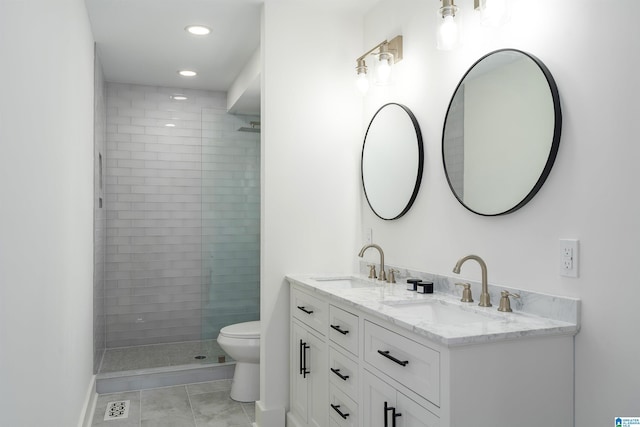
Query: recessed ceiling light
(187,73)
(198,30)
(170,125)
(179,97)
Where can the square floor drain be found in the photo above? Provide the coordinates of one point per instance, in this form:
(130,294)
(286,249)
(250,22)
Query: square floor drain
(117,410)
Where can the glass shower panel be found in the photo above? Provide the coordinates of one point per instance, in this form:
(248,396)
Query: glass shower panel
(230,221)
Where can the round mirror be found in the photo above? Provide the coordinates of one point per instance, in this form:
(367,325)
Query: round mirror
(392,161)
(501,132)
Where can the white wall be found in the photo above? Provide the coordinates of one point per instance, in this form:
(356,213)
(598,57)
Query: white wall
(590,193)
(46,211)
(311,117)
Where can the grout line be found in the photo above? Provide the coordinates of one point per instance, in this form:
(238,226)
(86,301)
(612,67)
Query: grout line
(140,415)
(244,409)
(195,423)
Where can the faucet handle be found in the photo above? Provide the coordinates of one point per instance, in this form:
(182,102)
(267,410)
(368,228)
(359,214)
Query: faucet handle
(392,275)
(372,271)
(505,303)
(466,292)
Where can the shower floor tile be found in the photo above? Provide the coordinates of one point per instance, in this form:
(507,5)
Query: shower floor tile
(194,405)
(161,355)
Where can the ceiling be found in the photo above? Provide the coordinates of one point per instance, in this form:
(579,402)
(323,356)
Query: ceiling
(144,41)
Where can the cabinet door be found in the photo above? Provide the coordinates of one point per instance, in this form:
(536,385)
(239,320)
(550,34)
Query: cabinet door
(377,399)
(385,406)
(299,395)
(309,379)
(414,415)
(317,365)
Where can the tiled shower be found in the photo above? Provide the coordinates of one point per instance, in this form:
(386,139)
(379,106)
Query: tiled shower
(182,203)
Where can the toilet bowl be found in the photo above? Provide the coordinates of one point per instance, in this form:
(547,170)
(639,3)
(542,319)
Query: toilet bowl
(241,341)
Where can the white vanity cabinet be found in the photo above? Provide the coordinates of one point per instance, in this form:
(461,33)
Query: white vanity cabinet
(368,370)
(309,365)
(344,372)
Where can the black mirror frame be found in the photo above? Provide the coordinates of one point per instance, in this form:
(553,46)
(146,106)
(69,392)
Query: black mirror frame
(555,143)
(416,187)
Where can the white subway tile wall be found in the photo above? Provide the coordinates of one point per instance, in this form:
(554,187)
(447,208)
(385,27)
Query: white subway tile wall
(167,187)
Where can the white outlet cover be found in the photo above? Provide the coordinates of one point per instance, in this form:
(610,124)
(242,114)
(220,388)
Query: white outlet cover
(569,257)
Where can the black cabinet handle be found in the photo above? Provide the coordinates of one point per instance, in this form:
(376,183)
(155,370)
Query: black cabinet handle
(390,357)
(337,372)
(301,307)
(394,415)
(337,328)
(305,371)
(388,408)
(303,359)
(300,353)
(336,408)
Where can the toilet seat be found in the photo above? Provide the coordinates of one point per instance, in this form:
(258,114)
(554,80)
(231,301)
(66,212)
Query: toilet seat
(246,330)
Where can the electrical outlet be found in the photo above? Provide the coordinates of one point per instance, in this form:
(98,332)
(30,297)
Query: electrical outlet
(368,236)
(569,257)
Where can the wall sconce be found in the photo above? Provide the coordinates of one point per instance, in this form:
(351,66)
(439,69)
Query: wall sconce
(448,37)
(493,13)
(387,53)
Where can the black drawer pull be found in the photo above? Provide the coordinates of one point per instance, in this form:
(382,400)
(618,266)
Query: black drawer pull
(337,328)
(337,372)
(336,408)
(390,357)
(304,309)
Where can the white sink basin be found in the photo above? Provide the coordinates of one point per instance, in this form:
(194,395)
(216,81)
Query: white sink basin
(344,282)
(437,311)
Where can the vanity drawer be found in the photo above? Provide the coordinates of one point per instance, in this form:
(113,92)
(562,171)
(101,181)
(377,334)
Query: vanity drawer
(343,372)
(343,411)
(343,329)
(310,310)
(412,364)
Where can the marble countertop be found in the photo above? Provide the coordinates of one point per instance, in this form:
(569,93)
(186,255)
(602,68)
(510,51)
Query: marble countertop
(468,324)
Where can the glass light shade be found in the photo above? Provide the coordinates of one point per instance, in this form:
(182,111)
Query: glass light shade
(383,68)
(494,13)
(448,37)
(362,82)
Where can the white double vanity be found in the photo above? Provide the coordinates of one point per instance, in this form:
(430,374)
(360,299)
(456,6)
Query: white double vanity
(365,353)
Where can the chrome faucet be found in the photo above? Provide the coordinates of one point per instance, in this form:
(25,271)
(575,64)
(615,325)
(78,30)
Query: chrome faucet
(485,300)
(382,275)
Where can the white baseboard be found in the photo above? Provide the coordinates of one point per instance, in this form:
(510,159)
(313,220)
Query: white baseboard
(273,417)
(89,407)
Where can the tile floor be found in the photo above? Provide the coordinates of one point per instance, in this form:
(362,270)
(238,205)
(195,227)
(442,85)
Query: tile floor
(193,405)
(159,355)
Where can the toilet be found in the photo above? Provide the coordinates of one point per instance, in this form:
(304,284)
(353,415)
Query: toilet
(241,341)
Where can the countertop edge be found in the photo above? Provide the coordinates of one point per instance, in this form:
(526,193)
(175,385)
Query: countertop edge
(556,328)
